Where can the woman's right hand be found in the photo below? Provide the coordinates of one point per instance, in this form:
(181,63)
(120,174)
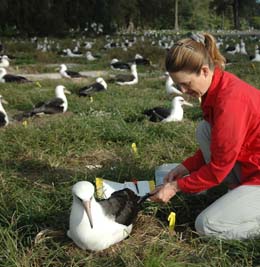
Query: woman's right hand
(175,173)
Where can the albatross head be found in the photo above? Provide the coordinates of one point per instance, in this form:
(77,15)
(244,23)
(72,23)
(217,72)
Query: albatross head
(114,60)
(5,58)
(84,192)
(180,101)
(102,82)
(63,67)
(60,90)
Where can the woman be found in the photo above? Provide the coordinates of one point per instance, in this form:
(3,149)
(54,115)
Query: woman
(228,137)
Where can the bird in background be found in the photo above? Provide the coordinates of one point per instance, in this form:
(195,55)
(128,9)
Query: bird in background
(128,79)
(58,104)
(8,78)
(69,53)
(256,57)
(115,64)
(232,49)
(243,47)
(170,86)
(97,224)
(4,61)
(161,114)
(99,86)
(140,60)
(65,73)
(90,57)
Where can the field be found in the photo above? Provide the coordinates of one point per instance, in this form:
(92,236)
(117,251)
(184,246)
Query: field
(42,157)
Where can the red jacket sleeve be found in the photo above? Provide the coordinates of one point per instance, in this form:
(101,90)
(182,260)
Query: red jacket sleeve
(227,136)
(195,162)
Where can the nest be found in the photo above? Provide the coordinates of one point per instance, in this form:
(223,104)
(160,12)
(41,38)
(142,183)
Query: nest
(147,230)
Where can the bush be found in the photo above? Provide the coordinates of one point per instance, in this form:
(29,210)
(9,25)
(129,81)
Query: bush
(255,22)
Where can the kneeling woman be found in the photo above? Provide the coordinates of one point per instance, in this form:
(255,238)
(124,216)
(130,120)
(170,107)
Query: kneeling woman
(228,137)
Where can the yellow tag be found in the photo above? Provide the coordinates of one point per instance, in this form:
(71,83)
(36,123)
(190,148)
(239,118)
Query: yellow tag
(25,123)
(38,84)
(99,187)
(151,184)
(91,99)
(171,219)
(134,149)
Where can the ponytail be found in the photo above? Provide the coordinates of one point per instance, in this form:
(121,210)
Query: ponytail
(210,44)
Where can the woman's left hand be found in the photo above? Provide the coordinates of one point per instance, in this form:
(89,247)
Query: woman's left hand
(164,192)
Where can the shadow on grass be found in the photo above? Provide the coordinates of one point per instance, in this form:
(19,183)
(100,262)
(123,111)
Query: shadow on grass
(37,170)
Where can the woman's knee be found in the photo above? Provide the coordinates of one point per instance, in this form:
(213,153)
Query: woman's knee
(205,225)
(200,224)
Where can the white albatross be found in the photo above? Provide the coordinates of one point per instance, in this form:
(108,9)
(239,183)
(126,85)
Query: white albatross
(58,104)
(98,86)
(256,58)
(96,225)
(128,79)
(65,73)
(8,78)
(160,114)
(115,64)
(90,57)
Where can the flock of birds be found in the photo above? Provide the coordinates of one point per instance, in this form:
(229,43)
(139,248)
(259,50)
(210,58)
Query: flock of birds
(59,104)
(240,48)
(97,224)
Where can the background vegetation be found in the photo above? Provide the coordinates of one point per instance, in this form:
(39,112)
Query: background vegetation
(51,17)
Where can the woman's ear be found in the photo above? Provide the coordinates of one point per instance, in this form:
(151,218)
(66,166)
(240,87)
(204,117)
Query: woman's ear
(205,70)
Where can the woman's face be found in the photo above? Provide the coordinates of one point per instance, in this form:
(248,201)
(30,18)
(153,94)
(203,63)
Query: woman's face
(193,84)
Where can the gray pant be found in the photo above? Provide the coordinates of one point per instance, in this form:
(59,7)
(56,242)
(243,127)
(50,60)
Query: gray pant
(235,215)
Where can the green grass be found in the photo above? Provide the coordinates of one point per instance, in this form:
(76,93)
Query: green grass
(40,162)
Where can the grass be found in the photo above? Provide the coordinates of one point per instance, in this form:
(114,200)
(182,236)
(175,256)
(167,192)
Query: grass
(42,159)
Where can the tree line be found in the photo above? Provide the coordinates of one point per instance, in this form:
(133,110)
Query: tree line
(58,17)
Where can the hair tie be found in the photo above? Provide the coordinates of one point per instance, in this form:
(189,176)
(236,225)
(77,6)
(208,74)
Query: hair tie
(197,37)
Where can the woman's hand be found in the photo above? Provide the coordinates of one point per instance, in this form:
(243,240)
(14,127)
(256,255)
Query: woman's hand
(164,192)
(175,173)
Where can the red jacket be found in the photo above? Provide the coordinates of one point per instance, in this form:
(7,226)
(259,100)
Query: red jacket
(232,108)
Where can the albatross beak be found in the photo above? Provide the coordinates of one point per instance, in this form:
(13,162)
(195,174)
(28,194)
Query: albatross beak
(4,102)
(187,104)
(87,207)
(67,92)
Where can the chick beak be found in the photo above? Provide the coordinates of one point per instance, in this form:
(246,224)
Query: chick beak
(87,207)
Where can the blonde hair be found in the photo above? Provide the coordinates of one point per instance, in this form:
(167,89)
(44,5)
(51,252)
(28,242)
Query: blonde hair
(190,54)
